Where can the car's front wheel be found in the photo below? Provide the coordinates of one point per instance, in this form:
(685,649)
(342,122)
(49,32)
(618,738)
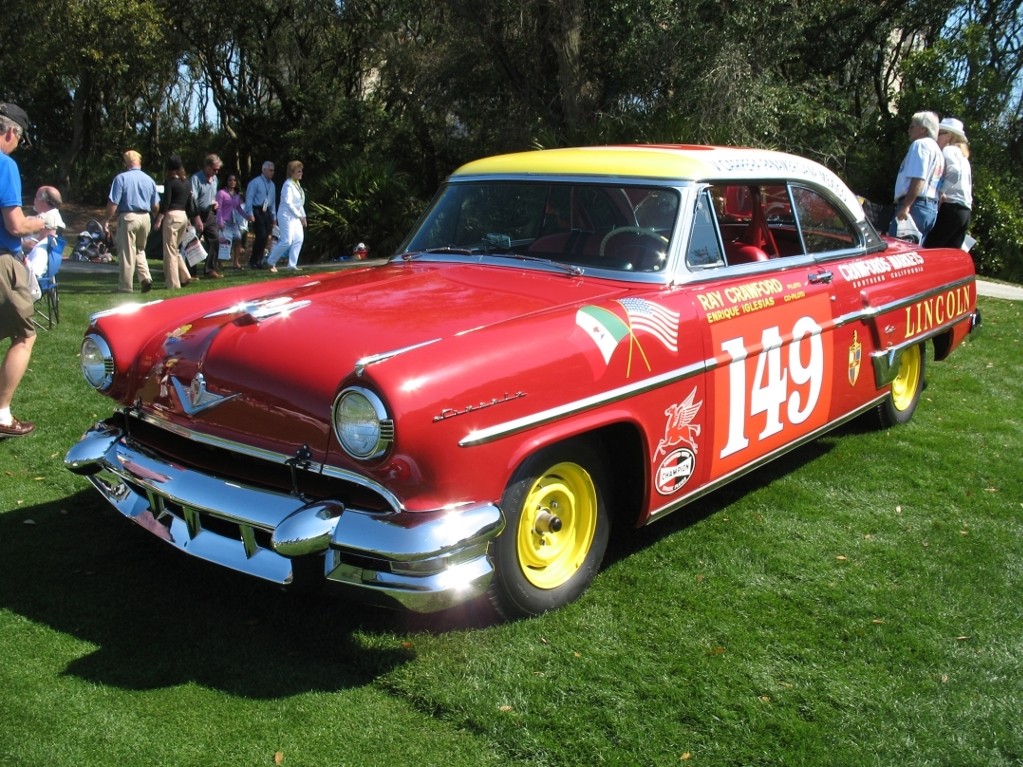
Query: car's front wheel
(904,395)
(557,530)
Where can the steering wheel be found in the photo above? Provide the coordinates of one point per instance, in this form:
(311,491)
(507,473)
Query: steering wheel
(631,230)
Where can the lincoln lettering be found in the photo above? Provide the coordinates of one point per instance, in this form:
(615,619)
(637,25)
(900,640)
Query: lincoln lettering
(937,310)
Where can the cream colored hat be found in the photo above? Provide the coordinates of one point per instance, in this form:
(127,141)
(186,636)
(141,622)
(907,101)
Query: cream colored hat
(953,126)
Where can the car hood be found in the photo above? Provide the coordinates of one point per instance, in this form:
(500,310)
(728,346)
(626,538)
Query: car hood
(262,365)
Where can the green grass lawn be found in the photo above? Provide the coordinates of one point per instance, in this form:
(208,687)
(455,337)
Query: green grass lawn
(856,603)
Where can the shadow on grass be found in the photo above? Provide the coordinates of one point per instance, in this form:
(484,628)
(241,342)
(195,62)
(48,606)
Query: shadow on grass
(624,545)
(158,618)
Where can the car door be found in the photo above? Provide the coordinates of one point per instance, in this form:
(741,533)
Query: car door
(769,330)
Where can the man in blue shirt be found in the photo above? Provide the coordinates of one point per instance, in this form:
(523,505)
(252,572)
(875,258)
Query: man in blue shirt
(261,202)
(204,191)
(134,199)
(16,305)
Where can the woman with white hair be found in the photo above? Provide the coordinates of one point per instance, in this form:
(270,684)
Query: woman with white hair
(956,206)
(291,220)
(916,188)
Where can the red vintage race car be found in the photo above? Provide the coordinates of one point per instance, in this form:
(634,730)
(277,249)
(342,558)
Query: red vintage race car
(569,340)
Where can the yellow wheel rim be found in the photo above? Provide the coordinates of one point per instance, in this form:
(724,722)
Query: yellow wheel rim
(907,382)
(559,519)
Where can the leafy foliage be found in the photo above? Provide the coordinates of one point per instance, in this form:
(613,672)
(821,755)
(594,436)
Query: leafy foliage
(856,599)
(431,84)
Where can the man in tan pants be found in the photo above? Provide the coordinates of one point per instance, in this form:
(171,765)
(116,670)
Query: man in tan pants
(135,200)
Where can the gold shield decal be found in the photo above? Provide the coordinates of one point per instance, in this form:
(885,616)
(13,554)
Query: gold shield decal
(855,356)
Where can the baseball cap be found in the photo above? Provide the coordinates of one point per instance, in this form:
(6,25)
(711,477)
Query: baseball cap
(17,114)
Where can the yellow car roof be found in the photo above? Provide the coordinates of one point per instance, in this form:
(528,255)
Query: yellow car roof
(663,162)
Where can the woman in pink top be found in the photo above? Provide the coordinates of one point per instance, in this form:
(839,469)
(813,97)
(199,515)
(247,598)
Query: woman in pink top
(230,201)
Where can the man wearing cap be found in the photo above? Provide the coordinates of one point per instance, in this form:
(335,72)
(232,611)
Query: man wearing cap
(916,188)
(361,252)
(134,200)
(16,305)
(956,206)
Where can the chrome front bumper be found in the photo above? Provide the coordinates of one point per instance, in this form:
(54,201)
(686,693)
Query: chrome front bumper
(423,561)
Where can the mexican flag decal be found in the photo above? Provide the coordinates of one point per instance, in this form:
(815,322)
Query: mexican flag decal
(605,328)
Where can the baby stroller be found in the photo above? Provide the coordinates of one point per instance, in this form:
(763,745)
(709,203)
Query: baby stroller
(93,244)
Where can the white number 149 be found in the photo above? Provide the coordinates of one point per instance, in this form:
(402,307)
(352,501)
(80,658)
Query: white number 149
(772,382)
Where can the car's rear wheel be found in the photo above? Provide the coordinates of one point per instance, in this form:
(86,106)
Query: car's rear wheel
(557,531)
(904,395)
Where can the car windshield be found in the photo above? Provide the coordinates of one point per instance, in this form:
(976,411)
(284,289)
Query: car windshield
(617,227)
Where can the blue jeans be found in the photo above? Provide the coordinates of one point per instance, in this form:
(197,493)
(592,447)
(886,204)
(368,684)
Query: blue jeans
(923,211)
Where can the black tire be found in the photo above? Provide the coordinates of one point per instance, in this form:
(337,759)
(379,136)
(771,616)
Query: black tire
(904,395)
(557,530)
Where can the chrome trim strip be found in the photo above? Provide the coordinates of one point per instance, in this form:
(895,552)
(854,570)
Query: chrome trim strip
(873,311)
(491,433)
(457,583)
(870,312)
(777,453)
(364,362)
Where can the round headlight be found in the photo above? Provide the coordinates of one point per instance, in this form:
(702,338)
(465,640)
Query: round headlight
(97,362)
(361,423)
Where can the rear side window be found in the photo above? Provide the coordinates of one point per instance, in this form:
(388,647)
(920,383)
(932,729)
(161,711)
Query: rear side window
(704,244)
(823,226)
(737,223)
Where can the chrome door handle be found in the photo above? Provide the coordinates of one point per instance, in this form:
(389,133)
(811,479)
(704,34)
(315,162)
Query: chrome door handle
(818,278)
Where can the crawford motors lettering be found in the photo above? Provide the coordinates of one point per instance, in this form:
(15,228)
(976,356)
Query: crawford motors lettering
(936,310)
(882,265)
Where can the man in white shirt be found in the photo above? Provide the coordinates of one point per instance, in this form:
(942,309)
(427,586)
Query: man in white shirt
(916,188)
(46,205)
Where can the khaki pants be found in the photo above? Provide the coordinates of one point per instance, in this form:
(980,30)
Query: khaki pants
(174,270)
(132,233)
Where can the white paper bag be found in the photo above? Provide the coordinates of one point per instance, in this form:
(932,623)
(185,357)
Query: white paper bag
(224,252)
(191,248)
(906,229)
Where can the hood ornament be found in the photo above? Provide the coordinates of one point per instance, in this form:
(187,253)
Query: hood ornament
(196,397)
(259,310)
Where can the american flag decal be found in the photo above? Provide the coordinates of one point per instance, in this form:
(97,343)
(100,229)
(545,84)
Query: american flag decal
(654,319)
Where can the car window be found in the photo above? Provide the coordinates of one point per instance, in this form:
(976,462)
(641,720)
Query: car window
(823,226)
(755,221)
(619,227)
(704,245)
(760,222)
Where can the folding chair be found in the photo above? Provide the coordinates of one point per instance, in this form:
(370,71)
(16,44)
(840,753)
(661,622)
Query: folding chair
(48,284)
